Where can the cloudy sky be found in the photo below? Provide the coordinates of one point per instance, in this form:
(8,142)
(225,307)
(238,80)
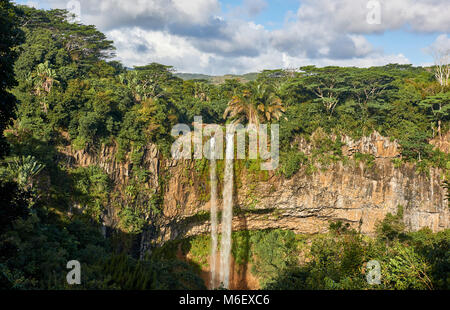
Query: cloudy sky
(239,36)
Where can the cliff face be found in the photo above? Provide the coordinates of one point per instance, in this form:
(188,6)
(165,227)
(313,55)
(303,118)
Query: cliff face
(306,203)
(352,192)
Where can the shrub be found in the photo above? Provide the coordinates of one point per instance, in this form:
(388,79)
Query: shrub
(291,162)
(392,226)
(272,252)
(405,269)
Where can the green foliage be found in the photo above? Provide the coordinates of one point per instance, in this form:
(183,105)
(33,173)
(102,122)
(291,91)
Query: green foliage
(291,162)
(397,162)
(272,252)
(122,272)
(338,261)
(257,103)
(169,250)
(241,246)
(327,85)
(415,145)
(38,251)
(10,37)
(339,227)
(434,249)
(406,269)
(438,108)
(392,226)
(200,248)
(91,191)
(135,214)
(24,169)
(367,159)
(335,261)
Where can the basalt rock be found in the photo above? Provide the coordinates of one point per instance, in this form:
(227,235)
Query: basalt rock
(306,203)
(351,192)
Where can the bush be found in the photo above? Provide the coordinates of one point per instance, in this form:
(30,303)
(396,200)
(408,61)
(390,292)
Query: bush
(405,269)
(123,272)
(392,227)
(291,162)
(272,252)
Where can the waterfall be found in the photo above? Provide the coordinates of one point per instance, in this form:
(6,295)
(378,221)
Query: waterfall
(227,212)
(213,180)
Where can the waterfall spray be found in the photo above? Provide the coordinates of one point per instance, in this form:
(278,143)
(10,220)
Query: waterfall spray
(213,176)
(227,213)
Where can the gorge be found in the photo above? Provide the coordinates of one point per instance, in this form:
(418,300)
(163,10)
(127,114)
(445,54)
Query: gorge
(351,192)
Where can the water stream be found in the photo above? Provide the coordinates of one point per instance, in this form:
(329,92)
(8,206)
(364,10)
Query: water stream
(227,213)
(213,175)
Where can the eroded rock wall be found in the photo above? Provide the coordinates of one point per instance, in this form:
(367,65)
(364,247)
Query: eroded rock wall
(351,192)
(306,203)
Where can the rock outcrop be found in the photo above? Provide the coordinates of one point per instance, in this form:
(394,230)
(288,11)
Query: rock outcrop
(348,191)
(306,203)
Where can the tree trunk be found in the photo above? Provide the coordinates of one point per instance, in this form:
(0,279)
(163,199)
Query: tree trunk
(439,131)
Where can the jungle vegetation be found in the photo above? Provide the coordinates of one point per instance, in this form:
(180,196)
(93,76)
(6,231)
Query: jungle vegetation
(60,88)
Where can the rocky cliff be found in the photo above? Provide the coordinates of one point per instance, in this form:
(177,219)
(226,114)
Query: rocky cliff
(350,191)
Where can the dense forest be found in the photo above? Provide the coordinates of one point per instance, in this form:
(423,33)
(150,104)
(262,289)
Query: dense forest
(60,89)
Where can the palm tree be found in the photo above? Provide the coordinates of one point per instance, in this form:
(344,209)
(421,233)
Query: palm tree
(268,103)
(25,169)
(201,91)
(260,103)
(241,108)
(43,78)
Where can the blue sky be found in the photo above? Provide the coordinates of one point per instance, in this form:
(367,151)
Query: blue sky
(237,36)
(405,42)
(272,17)
(412,45)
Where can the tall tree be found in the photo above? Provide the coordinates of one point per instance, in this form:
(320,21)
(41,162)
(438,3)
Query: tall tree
(367,87)
(255,104)
(149,81)
(328,84)
(43,79)
(72,48)
(10,37)
(442,66)
(439,105)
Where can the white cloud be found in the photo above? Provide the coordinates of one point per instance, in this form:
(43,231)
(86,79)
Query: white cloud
(168,49)
(195,37)
(174,15)
(442,44)
(162,47)
(32,4)
(350,16)
(198,11)
(255,7)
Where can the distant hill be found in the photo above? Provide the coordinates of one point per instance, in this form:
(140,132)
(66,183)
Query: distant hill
(193,76)
(217,79)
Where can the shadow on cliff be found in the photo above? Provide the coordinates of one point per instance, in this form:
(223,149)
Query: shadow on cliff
(241,244)
(240,262)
